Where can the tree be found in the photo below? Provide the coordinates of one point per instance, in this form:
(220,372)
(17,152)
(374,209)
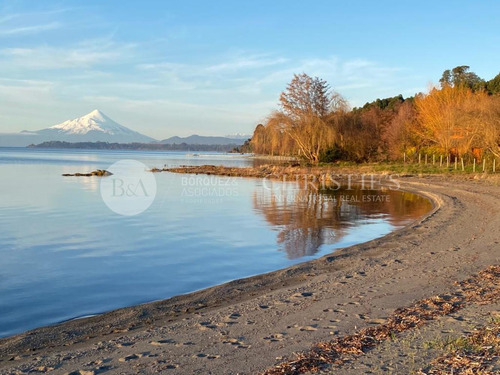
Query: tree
(460,76)
(457,119)
(493,85)
(308,108)
(306,96)
(491,130)
(398,133)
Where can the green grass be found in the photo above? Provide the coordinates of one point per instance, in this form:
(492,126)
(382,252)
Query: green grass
(412,168)
(453,344)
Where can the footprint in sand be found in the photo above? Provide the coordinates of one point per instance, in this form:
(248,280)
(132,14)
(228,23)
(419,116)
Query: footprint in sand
(312,327)
(162,342)
(120,330)
(124,344)
(376,321)
(129,358)
(133,357)
(206,356)
(236,342)
(302,295)
(44,369)
(363,316)
(275,337)
(99,362)
(232,341)
(206,325)
(167,366)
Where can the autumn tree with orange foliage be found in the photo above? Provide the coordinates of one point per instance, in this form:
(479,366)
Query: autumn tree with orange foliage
(306,123)
(457,119)
(399,134)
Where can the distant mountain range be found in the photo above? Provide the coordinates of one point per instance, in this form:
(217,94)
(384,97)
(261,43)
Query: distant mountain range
(202,140)
(97,127)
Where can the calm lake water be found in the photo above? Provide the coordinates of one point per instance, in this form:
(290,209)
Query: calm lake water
(65,254)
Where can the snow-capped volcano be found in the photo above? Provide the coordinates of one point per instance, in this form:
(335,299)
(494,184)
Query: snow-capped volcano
(94,121)
(93,127)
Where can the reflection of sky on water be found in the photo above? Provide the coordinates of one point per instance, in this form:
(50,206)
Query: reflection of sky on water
(65,254)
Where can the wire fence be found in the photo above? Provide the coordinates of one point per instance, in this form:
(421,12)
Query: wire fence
(488,164)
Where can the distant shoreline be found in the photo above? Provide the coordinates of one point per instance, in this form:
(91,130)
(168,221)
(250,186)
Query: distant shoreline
(134,146)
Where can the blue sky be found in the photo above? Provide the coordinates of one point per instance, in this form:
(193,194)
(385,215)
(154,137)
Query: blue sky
(217,67)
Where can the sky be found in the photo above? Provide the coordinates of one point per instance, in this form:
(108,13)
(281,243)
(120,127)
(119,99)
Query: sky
(167,68)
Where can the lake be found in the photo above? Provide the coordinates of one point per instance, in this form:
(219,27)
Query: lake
(65,254)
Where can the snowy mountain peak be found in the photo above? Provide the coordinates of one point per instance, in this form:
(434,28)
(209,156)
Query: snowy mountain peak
(96,114)
(93,127)
(94,121)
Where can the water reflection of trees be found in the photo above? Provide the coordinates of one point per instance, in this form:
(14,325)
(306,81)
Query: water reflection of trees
(307,218)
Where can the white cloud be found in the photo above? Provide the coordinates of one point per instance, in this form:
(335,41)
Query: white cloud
(250,62)
(233,73)
(84,55)
(29,29)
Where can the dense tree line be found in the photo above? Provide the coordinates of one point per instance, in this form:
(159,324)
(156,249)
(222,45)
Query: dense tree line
(461,117)
(135,146)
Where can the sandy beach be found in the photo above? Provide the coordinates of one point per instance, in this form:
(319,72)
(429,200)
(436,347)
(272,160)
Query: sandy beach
(250,325)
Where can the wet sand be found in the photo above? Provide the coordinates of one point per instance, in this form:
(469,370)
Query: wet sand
(249,325)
